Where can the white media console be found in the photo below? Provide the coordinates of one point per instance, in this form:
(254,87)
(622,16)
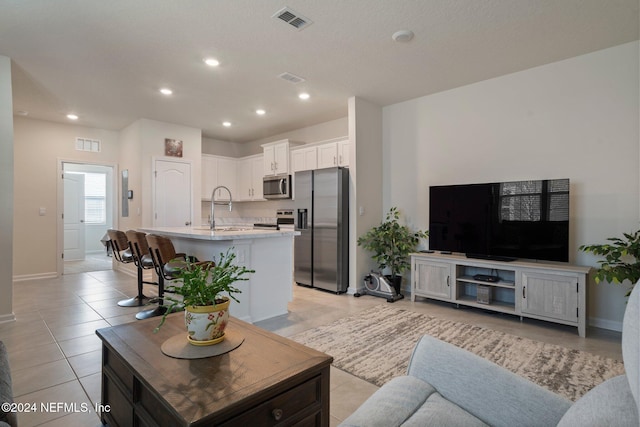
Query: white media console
(555,292)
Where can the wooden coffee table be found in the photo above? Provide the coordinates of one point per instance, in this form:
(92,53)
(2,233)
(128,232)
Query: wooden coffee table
(268,380)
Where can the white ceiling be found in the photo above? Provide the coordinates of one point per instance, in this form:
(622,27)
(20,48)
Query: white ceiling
(106,60)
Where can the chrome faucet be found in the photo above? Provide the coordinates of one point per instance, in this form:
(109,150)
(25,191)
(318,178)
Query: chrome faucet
(212,221)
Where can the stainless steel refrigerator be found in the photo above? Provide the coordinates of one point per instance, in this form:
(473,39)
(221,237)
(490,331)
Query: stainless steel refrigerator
(322,217)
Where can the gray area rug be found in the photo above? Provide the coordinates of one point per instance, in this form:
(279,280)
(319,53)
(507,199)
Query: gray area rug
(376,344)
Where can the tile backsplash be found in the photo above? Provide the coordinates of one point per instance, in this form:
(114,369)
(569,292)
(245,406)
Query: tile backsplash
(246,212)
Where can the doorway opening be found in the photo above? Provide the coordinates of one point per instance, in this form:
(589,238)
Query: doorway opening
(88,212)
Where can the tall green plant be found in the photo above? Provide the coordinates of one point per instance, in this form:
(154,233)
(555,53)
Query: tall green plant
(391,243)
(203,283)
(621,259)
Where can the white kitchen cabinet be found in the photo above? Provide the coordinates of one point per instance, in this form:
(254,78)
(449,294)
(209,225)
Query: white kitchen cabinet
(249,177)
(276,157)
(304,159)
(343,153)
(216,171)
(333,154)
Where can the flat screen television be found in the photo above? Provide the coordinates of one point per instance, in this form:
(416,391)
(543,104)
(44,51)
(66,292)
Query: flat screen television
(502,221)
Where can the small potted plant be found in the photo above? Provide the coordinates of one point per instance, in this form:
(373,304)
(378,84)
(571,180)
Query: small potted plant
(391,244)
(622,259)
(206,308)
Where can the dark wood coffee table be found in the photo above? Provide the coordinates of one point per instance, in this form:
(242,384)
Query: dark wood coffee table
(268,380)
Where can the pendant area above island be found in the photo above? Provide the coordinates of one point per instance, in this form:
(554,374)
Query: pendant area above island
(268,252)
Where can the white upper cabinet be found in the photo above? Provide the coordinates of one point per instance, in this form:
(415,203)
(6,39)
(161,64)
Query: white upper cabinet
(249,178)
(276,157)
(333,154)
(216,171)
(304,159)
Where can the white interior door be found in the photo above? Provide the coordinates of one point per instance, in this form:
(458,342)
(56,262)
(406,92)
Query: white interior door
(74,226)
(172,194)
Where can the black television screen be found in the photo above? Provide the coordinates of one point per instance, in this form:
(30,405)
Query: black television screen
(503,221)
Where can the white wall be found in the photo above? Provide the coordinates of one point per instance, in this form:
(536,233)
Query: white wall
(6,191)
(39,146)
(577,119)
(151,139)
(365,184)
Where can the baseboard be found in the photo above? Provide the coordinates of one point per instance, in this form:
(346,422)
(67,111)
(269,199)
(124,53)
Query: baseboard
(6,318)
(605,324)
(39,276)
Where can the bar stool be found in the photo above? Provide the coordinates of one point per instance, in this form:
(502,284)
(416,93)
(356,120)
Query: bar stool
(168,264)
(143,261)
(122,253)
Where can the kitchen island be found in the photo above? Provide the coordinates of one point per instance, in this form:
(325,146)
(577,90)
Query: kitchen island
(268,252)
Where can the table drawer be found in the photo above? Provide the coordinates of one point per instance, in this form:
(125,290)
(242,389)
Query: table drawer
(116,366)
(285,407)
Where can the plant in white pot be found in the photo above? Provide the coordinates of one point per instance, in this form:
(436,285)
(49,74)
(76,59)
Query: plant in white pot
(391,244)
(206,291)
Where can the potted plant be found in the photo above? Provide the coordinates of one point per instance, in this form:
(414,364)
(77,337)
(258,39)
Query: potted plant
(391,244)
(622,259)
(206,308)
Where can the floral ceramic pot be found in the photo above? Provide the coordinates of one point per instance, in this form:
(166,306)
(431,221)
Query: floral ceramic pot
(206,323)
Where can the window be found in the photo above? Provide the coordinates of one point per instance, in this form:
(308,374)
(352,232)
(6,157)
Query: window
(95,203)
(535,200)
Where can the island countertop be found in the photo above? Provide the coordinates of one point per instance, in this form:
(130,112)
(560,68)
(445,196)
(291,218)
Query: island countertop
(222,233)
(269,253)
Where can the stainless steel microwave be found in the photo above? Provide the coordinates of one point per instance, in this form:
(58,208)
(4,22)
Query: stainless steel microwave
(276,187)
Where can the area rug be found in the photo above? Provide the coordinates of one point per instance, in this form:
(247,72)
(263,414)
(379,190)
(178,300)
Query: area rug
(376,344)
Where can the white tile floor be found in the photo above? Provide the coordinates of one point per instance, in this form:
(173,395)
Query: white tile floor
(55,354)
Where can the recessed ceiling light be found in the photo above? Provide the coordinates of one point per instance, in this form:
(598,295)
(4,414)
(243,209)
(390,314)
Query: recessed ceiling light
(260,112)
(72,117)
(166,91)
(226,124)
(402,36)
(211,62)
(303,95)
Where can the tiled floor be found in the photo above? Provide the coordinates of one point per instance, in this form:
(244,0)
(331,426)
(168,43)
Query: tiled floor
(55,354)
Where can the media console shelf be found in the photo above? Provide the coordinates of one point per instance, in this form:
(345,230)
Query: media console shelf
(554,292)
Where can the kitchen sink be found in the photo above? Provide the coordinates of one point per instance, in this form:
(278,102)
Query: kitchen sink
(224,228)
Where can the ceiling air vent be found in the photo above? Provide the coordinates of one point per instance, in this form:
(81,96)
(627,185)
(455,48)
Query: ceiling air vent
(291,78)
(292,18)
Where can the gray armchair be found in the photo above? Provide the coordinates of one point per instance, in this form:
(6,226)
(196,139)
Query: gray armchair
(448,386)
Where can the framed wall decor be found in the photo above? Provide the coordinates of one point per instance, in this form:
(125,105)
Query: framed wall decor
(173,147)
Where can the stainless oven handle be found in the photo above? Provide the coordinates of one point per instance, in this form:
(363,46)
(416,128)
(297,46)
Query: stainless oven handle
(283,187)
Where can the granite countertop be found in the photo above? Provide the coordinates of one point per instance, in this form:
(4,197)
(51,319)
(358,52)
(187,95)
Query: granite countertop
(220,233)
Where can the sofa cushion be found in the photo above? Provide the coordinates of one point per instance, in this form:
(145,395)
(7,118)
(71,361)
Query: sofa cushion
(608,404)
(408,401)
(438,411)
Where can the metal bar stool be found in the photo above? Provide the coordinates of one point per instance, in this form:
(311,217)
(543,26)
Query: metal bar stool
(122,253)
(168,264)
(143,261)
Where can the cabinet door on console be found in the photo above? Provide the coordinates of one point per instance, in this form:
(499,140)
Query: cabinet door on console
(432,279)
(550,295)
